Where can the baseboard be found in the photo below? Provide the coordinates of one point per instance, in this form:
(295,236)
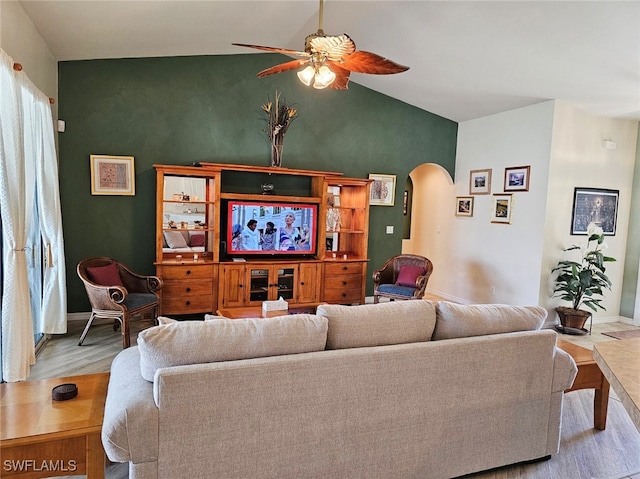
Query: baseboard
(78,316)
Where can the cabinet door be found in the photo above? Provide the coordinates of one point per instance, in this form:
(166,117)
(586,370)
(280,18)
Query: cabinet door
(285,283)
(308,282)
(232,289)
(260,281)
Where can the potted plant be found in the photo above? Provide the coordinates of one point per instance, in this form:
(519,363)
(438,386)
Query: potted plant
(582,283)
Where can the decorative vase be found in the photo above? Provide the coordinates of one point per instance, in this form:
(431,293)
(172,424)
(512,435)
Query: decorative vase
(572,320)
(276,151)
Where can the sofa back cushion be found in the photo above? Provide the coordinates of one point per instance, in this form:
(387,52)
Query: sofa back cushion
(459,321)
(194,342)
(395,322)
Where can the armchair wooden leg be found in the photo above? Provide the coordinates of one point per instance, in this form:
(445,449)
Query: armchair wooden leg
(376,299)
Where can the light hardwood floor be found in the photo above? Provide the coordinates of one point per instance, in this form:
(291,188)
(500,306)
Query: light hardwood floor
(585,453)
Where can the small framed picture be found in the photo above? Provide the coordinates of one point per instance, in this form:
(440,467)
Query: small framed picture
(516,178)
(594,205)
(480,182)
(501,207)
(383,189)
(464,206)
(112,175)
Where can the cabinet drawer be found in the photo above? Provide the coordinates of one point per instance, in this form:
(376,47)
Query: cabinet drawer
(331,269)
(187,304)
(342,296)
(343,281)
(187,271)
(187,288)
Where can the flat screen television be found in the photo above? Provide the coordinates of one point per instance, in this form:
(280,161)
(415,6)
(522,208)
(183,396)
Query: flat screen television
(271,228)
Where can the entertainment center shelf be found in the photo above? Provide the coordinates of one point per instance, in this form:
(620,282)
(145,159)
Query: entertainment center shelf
(195,229)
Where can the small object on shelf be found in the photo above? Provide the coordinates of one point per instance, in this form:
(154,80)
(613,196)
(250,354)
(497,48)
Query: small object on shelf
(267,189)
(172,225)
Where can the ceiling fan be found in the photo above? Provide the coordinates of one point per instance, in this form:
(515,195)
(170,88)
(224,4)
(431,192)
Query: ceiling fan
(329,60)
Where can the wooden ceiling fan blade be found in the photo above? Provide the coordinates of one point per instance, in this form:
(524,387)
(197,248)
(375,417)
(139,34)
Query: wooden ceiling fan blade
(273,49)
(283,67)
(342,76)
(367,62)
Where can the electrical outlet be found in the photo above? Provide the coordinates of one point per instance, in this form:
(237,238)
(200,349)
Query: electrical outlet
(492,290)
(389,230)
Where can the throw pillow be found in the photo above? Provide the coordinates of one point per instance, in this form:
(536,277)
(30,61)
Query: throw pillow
(459,321)
(195,342)
(408,274)
(175,239)
(196,239)
(395,322)
(106,275)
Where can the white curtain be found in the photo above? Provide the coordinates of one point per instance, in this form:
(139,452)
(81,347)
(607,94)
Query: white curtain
(28,176)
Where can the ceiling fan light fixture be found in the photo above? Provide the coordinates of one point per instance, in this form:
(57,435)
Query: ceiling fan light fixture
(307,74)
(323,77)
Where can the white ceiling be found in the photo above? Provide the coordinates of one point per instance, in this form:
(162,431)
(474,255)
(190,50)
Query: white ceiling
(468,59)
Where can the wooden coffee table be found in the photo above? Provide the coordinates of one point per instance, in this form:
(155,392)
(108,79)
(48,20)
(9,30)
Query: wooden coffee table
(257,312)
(40,437)
(589,377)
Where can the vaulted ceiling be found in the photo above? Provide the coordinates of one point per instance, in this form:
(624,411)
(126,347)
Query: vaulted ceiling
(467,59)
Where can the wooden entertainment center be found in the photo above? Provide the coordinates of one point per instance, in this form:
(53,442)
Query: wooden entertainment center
(198,275)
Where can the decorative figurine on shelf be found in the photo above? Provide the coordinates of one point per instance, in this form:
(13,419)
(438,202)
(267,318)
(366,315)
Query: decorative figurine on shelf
(279,118)
(267,189)
(172,225)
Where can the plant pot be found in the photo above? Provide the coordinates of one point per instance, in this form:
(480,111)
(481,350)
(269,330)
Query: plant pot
(572,320)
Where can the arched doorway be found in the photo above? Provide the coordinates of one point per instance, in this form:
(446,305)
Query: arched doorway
(430,213)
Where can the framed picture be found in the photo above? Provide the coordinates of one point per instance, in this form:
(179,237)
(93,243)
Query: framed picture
(383,189)
(112,175)
(464,206)
(594,205)
(480,182)
(405,203)
(516,178)
(501,207)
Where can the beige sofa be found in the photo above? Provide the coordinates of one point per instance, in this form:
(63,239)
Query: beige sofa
(396,393)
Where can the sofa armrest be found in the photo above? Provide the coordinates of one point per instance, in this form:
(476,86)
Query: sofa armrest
(130,426)
(564,371)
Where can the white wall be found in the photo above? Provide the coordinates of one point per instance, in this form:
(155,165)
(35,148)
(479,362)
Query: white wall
(471,255)
(505,258)
(20,39)
(578,159)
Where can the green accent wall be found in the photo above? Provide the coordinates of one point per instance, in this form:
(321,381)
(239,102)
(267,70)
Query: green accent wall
(181,110)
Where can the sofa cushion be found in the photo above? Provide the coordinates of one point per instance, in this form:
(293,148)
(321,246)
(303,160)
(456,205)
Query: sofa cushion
(378,324)
(408,275)
(106,275)
(196,239)
(458,320)
(193,342)
(165,320)
(175,239)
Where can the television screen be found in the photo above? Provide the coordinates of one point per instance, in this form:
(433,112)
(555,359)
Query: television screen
(271,228)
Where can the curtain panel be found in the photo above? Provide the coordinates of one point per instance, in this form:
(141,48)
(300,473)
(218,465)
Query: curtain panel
(28,178)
